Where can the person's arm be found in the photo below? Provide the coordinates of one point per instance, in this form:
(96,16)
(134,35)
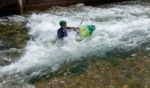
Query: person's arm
(73,28)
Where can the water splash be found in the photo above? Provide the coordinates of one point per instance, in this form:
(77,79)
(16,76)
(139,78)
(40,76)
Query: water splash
(119,26)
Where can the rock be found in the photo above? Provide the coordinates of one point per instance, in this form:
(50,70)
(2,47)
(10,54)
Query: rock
(13,36)
(13,39)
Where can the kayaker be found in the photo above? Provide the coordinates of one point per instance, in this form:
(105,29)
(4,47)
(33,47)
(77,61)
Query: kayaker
(62,32)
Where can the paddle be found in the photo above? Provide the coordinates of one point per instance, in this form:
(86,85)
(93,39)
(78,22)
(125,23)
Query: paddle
(82,20)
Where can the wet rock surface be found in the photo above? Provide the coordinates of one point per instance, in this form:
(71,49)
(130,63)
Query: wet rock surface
(10,55)
(11,83)
(13,39)
(104,73)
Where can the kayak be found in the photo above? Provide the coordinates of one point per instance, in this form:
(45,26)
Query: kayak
(86,30)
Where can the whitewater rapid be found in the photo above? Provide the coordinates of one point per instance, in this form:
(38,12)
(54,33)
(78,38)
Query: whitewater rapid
(120,26)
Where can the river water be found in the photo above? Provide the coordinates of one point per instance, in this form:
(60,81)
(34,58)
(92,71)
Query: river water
(121,27)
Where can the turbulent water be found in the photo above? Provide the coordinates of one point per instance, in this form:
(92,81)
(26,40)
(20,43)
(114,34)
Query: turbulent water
(123,27)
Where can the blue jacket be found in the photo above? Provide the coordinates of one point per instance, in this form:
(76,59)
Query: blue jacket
(61,33)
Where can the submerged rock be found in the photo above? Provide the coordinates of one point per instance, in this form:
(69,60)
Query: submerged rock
(10,55)
(17,83)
